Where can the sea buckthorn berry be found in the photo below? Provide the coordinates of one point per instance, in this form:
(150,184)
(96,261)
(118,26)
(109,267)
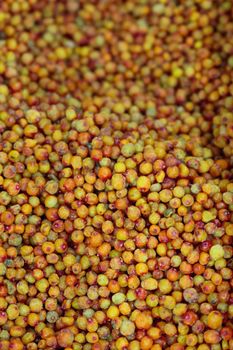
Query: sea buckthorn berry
(143,184)
(65,337)
(214,320)
(211,337)
(143,321)
(116,191)
(216,252)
